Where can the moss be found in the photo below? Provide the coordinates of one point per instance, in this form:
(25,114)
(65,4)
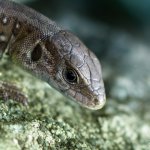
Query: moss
(53,122)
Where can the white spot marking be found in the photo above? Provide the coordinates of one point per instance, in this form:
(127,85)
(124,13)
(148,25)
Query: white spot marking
(3,38)
(5,20)
(17,26)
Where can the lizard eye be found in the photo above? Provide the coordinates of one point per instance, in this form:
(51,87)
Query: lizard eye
(36,53)
(70,76)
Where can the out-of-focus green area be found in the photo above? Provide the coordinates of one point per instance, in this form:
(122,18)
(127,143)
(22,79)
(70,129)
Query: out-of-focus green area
(118,32)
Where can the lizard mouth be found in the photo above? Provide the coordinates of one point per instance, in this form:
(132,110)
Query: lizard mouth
(93,103)
(96,103)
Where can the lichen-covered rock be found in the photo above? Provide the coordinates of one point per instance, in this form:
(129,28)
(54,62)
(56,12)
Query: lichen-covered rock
(53,122)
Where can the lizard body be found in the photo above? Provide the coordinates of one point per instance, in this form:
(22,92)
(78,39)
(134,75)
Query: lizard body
(51,53)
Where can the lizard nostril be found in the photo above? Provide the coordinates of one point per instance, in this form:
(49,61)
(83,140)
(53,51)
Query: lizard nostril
(96,101)
(99,101)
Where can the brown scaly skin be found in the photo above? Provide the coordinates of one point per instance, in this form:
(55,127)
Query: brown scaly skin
(53,54)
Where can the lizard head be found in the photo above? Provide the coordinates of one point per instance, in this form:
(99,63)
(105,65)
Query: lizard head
(77,72)
(67,65)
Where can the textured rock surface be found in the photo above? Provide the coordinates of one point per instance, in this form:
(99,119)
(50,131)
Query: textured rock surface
(53,122)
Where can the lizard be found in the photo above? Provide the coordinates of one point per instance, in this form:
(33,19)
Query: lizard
(53,54)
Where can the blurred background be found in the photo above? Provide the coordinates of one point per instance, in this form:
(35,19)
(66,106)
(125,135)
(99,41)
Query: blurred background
(118,32)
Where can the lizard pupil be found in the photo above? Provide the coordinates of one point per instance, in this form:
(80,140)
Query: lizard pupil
(70,76)
(36,53)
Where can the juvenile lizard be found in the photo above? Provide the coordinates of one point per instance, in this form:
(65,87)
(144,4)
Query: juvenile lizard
(51,53)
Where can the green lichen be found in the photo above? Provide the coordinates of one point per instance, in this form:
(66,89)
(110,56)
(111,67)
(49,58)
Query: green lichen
(53,122)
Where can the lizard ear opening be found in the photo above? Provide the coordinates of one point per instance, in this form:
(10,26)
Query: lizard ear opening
(36,53)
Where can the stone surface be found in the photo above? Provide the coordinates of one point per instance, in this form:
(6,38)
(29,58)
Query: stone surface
(52,121)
